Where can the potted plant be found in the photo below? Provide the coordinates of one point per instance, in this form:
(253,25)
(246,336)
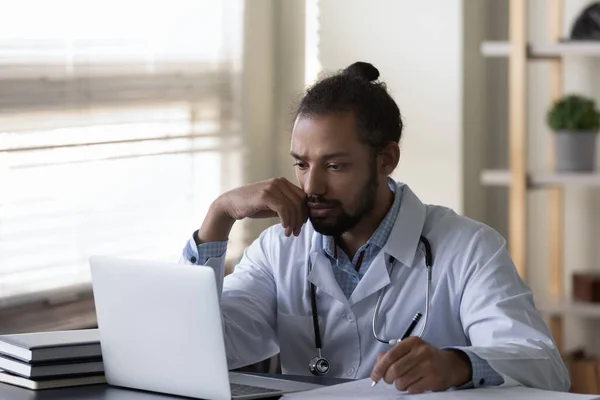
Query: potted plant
(575,122)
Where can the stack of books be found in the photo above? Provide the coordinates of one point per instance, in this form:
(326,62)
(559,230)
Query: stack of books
(45,360)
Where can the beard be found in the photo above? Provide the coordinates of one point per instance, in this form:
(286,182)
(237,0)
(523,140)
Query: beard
(345,221)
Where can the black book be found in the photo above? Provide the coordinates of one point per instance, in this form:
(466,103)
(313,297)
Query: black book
(51,383)
(51,346)
(55,369)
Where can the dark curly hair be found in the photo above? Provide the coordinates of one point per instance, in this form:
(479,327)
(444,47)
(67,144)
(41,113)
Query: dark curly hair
(355,89)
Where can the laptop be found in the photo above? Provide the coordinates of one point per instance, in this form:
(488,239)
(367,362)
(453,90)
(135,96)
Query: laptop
(160,330)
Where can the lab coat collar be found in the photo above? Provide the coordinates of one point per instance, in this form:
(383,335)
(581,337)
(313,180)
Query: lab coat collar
(376,277)
(404,239)
(401,246)
(321,273)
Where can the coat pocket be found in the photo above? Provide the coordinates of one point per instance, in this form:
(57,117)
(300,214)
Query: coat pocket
(296,342)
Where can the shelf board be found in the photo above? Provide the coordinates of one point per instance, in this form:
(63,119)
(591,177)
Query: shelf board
(570,308)
(550,50)
(495,177)
(495,49)
(543,179)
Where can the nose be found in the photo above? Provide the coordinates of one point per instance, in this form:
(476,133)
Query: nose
(314,183)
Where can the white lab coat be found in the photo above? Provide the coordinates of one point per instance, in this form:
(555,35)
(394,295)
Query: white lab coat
(478,300)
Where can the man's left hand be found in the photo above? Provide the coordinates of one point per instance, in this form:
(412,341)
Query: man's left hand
(415,366)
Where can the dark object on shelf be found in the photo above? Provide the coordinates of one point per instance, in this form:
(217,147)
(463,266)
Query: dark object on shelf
(586,287)
(584,370)
(587,25)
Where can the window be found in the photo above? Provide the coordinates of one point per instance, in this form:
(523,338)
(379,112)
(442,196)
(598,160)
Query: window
(119,124)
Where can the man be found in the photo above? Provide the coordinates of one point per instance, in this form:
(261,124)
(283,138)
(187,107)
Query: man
(350,236)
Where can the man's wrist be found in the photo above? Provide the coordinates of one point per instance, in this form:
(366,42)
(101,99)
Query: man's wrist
(215,227)
(459,366)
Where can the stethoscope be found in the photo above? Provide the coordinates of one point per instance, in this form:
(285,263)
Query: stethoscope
(320,365)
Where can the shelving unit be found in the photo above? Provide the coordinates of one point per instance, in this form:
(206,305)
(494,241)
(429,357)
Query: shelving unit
(560,308)
(556,50)
(517,178)
(541,180)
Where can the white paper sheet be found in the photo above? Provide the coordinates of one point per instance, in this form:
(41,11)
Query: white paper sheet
(362,389)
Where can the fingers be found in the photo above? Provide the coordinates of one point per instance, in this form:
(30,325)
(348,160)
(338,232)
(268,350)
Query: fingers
(408,377)
(299,192)
(402,367)
(288,201)
(416,386)
(297,197)
(415,366)
(284,208)
(390,357)
(298,212)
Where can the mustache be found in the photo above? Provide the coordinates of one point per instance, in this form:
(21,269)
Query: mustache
(321,200)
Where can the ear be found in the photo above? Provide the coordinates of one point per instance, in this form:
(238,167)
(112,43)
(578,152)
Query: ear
(389,158)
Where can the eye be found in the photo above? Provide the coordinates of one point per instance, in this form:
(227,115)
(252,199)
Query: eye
(300,165)
(335,167)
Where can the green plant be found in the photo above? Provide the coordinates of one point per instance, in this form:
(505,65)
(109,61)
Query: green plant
(574,113)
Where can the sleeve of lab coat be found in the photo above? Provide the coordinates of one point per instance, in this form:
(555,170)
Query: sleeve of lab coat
(248,304)
(501,322)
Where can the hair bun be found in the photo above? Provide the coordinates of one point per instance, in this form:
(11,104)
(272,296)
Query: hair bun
(363,70)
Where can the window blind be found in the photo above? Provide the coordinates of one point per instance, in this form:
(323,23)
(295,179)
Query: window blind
(119,124)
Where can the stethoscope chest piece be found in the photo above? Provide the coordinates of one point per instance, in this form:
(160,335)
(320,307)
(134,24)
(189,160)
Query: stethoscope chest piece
(319,366)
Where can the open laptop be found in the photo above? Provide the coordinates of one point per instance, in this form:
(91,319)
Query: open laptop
(160,330)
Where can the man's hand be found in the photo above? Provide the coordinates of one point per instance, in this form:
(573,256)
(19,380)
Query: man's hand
(415,366)
(266,199)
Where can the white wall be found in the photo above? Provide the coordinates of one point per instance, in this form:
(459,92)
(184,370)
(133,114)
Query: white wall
(417,47)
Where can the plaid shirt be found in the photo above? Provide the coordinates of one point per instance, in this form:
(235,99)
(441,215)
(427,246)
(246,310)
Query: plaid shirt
(348,277)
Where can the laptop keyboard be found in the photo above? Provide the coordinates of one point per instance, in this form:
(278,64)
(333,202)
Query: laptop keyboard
(237,389)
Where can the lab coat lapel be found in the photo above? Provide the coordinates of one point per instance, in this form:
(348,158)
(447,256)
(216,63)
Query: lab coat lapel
(405,235)
(321,275)
(375,278)
(401,246)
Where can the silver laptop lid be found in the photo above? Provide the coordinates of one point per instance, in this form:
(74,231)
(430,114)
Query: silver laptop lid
(160,327)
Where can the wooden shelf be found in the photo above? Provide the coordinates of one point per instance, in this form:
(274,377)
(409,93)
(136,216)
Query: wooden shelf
(495,177)
(550,50)
(495,49)
(543,179)
(570,308)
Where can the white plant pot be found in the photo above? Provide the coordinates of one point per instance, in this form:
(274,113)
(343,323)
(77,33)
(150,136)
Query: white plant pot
(575,151)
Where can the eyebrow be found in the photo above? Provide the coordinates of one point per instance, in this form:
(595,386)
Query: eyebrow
(325,156)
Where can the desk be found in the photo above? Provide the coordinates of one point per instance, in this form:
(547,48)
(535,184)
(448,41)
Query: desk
(107,392)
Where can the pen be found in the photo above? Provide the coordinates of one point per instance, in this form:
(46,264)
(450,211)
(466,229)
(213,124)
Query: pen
(411,327)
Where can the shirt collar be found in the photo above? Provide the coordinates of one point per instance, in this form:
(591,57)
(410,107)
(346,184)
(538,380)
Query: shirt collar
(382,233)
